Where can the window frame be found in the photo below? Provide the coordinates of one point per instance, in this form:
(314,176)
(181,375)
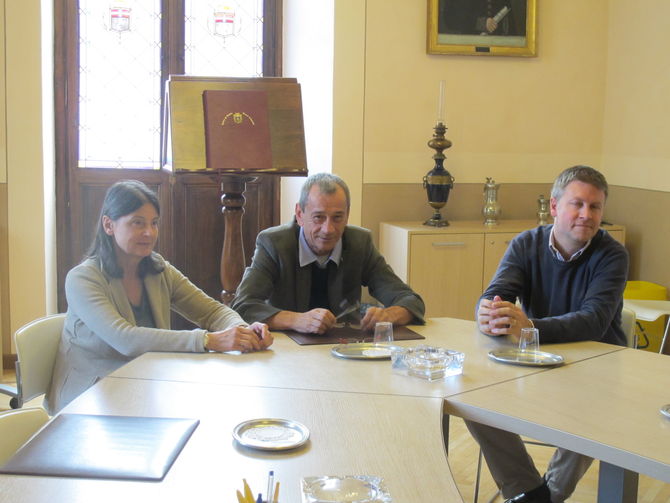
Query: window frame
(69,177)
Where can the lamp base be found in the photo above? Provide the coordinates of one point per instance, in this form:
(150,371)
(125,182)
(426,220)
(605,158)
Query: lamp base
(436,221)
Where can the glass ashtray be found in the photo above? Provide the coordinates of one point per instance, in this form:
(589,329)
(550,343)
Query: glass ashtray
(427,362)
(346,489)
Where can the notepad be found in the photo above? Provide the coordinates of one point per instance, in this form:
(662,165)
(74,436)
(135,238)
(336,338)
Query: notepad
(108,447)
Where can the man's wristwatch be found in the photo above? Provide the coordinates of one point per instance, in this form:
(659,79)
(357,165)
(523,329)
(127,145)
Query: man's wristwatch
(205,341)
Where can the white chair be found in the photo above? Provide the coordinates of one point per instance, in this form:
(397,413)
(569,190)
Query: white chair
(628,326)
(16,428)
(651,310)
(36,348)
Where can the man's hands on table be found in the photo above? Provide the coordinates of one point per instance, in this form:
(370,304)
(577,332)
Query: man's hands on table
(319,321)
(395,314)
(499,317)
(315,321)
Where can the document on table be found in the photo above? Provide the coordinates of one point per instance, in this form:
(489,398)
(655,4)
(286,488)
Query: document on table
(109,447)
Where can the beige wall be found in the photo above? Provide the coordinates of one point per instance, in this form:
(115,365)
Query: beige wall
(5,341)
(514,119)
(596,94)
(349,98)
(4,304)
(25,256)
(636,150)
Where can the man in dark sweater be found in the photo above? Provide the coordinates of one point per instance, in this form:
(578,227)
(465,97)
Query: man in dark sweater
(569,278)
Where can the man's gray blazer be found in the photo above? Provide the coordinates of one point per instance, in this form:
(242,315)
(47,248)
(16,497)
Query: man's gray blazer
(275,281)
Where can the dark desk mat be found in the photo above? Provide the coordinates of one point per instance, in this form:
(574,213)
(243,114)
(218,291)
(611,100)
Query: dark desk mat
(108,447)
(339,335)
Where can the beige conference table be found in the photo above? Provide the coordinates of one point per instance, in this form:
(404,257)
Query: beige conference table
(607,408)
(287,365)
(397,438)
(343,402)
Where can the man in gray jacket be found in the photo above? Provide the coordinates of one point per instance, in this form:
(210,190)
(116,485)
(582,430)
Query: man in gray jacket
(306,272)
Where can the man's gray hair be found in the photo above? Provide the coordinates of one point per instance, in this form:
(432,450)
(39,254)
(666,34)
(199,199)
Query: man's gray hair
(583,174)
(327,183)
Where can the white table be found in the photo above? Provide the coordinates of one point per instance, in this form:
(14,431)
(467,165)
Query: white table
(364,418)
(287,365)
(398,438)
(606,407)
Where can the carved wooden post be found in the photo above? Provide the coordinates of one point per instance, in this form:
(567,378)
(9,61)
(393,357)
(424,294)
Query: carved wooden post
(232,254)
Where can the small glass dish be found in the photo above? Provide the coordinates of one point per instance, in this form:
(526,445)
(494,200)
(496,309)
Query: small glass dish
(428,362)
(346,489)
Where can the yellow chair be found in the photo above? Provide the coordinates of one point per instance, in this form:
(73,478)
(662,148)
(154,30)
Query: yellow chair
(651,310)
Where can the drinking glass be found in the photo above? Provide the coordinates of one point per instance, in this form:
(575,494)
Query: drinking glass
(383,332)
(529,340)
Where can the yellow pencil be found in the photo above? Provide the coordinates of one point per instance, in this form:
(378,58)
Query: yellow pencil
(240,498)
(276,494)
(248,495)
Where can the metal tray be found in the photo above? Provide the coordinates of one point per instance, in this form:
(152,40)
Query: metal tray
(364,351)
(665,410)
(270,434)
(527,358)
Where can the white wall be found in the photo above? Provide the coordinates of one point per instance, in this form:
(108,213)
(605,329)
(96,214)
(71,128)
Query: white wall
(308,56)
(25,173)
(49,157)
(636,150)
(3,110)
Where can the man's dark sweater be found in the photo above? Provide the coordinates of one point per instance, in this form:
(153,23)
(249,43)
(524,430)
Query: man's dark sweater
(567,301)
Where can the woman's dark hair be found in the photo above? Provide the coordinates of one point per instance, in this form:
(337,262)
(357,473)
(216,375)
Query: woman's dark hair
(123,198)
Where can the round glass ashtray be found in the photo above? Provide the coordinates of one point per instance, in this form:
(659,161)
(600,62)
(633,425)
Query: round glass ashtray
(346,489)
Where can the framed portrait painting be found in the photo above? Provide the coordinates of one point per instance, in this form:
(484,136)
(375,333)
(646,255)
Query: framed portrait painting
(482,27)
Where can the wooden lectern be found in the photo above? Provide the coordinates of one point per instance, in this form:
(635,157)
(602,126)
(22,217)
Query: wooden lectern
(184,148)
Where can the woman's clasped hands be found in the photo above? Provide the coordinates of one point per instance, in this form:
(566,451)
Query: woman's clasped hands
(255,337)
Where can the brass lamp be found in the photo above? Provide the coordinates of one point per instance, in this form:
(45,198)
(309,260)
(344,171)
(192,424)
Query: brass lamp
(438,182)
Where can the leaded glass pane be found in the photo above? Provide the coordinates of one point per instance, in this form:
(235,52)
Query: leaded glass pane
(224,39)
(119,83)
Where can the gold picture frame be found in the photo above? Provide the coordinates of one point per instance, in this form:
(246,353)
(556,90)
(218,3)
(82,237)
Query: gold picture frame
(482,27)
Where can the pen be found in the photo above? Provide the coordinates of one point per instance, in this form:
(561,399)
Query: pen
(271,477)
(248,495)
(275,499)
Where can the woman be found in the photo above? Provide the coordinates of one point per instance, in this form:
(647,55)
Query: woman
(120,297)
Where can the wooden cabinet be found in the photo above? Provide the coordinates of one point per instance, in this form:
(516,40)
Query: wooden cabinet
(451,266)
(439,262)
(495,246)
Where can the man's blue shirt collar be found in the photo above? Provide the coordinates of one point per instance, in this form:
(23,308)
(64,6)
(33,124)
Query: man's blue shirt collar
(306,256)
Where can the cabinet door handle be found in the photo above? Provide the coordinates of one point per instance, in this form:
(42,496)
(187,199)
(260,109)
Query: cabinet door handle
(456,243)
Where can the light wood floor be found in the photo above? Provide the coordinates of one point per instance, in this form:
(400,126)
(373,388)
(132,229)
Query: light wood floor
(463,452)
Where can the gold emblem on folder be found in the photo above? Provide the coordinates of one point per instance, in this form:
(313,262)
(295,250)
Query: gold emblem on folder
(238,118)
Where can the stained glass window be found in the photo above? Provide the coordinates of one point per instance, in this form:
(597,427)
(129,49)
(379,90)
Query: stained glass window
(224,39)
(119,83)
(120,70)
